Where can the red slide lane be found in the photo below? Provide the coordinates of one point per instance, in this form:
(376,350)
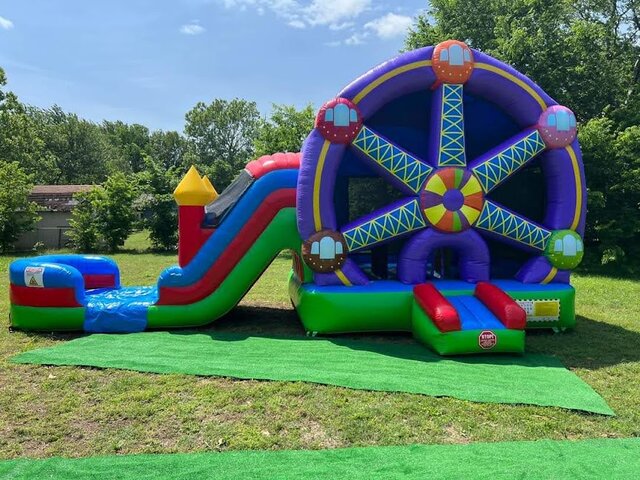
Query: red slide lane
(232,254)
(438,308)
(42,297)
(501,305)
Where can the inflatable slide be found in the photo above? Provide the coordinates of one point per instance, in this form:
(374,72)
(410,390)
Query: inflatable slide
(227,248)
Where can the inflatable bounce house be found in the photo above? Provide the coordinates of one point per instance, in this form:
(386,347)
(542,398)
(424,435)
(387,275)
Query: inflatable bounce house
(472,244)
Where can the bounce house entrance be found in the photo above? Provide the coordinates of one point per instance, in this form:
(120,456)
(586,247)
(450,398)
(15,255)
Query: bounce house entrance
(443,265)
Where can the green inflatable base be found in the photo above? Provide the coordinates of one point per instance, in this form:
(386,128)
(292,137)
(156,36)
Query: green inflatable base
(390,306)
(47,319)
(387,305)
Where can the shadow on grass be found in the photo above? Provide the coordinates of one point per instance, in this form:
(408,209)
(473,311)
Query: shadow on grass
(264,321)
(282,323)
(611,271)
(592,345)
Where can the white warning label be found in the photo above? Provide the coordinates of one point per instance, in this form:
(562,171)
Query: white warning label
(541,310)
(34,276)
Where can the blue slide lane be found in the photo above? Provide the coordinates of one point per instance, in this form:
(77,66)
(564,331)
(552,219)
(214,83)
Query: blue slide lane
(474,315)
(228,230)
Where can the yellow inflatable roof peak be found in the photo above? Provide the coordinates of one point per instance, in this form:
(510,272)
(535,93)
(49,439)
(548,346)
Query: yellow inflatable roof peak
(210,188)
(192,190)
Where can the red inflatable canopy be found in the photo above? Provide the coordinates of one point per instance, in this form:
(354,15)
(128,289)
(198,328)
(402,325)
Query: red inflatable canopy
(269,163)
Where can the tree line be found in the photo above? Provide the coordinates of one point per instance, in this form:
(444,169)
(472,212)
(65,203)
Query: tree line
(136,168)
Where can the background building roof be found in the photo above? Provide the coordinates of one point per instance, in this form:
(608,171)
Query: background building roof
(56,198)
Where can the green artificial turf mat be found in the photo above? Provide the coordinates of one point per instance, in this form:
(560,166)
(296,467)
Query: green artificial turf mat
(393,367)
(544,459)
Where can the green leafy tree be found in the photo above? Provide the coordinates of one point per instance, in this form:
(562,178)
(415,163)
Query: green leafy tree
(17,213)
(284,130)
(220,136)
(104,216)
(597,138)
(167,148)
(612,167)
(20,139)
(3,83)
(85,229)
(625,196)
(116,214)
(129,144)
(81,150)
(160,209)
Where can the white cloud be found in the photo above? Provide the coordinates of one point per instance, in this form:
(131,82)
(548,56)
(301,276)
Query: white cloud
(297,24)
(389,26)
(341,26)
(5,23)
(192,29)
(283,8)
(336,14)
(356,39)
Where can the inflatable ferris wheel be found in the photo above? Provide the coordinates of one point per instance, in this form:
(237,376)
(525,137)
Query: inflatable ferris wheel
(446,195)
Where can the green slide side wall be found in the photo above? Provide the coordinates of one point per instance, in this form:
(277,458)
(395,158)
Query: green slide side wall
(281,234)
(47,318)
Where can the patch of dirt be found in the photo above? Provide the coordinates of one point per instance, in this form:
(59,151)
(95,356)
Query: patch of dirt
(454,434)
(313,434)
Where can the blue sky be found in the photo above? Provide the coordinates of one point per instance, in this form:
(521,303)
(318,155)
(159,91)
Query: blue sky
(150,61)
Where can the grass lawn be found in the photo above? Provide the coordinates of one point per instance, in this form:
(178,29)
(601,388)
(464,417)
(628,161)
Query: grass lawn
(70,411)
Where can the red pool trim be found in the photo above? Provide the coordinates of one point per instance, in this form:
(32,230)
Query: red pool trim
(99,281)
(42,297)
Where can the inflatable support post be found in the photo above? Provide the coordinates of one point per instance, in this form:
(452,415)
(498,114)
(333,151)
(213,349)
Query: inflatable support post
(191,195)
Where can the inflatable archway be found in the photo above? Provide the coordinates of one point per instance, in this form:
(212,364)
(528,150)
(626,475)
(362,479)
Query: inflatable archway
(488,183)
